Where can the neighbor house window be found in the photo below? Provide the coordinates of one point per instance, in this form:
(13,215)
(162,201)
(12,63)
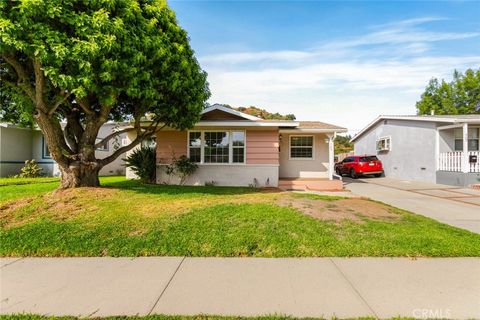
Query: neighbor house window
(384,144)
(104,146)
(473,139)
(45,151)
(301,147)
(216,146)
(195,146)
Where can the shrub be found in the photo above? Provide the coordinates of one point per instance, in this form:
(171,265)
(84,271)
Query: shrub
(142,162)
(31,169)
(185,167)
(182,167)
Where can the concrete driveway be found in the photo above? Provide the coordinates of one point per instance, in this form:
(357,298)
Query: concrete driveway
(459,207)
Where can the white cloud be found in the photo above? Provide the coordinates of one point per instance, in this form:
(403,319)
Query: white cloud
(345,82)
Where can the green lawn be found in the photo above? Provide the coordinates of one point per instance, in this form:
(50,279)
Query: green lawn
(127,218)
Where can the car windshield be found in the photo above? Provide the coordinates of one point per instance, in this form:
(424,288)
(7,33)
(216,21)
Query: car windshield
(368,159)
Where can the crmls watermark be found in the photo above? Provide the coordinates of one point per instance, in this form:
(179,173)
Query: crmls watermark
(431,313)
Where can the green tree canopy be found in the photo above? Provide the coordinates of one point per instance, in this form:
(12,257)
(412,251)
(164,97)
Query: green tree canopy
(86,62)
(459,96)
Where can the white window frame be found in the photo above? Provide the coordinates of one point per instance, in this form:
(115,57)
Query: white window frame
(468,138)
(386,138)
(230,148)
(290,147)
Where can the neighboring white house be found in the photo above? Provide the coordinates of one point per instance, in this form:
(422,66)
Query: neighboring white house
(438,149)
(18,144)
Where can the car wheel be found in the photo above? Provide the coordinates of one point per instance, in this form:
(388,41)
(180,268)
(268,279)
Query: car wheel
(378,175)
(353,174)
(337,171)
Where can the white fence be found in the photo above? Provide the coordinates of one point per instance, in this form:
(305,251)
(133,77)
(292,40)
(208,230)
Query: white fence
(452,161)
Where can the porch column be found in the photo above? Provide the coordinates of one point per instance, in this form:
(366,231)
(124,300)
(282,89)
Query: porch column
(331,153)
(465,164)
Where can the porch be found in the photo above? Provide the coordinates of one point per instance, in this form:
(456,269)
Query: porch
(459,161)
(457,148)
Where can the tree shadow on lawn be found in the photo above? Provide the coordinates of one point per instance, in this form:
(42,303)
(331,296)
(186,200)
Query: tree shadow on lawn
(137,186)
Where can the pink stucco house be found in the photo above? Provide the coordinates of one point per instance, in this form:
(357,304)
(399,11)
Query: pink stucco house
(236,149)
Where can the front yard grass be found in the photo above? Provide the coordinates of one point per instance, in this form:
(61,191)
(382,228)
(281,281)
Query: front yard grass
(127,218)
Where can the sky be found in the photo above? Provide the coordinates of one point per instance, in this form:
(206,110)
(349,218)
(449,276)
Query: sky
(341,62)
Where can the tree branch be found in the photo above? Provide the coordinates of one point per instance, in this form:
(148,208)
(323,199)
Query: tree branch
(39,85)
(22,75)
(139,138)
(58,104)
(110,136)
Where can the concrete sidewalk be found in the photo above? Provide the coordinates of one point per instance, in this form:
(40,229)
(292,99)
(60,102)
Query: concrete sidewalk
(341,287)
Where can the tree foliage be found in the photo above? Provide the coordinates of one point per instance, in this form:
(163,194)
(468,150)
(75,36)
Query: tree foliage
(459,96)
(342,144)
(87,62)
(262,113)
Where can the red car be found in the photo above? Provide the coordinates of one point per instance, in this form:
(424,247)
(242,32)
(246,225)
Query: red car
(356,166)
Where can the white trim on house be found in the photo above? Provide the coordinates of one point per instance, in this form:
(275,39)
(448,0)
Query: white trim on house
(312,158)
(301,130)
(243,123)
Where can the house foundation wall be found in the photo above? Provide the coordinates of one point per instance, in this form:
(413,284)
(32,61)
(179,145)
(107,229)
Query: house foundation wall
(460,179)
(226,175)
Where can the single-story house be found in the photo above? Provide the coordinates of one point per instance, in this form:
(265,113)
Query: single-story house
(433,148)
(18,144)
(232,148)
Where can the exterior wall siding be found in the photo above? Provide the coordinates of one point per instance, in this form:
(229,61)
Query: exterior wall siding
(412,154)
(169,144)
(311,168)
(262,147)
(260,168)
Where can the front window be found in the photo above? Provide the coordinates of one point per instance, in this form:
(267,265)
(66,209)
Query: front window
(473,139)
(195,145)
(238,147)
(216,146)
(301,147)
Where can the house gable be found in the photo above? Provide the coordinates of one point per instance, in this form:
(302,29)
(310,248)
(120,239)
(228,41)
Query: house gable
(219,115)
(218,112)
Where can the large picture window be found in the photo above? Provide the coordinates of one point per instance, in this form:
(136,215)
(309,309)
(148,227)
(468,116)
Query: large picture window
(216,146)
(473,138)
(301,147)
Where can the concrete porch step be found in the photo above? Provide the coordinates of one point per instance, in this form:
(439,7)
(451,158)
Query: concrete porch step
(310,184)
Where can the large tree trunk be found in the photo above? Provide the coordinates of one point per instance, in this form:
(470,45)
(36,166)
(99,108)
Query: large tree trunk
(80,175)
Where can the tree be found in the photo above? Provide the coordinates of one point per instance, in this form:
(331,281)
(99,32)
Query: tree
(343,144)
(83,63)
(460,96)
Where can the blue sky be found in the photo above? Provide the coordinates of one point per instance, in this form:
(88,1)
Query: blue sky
(343,62)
